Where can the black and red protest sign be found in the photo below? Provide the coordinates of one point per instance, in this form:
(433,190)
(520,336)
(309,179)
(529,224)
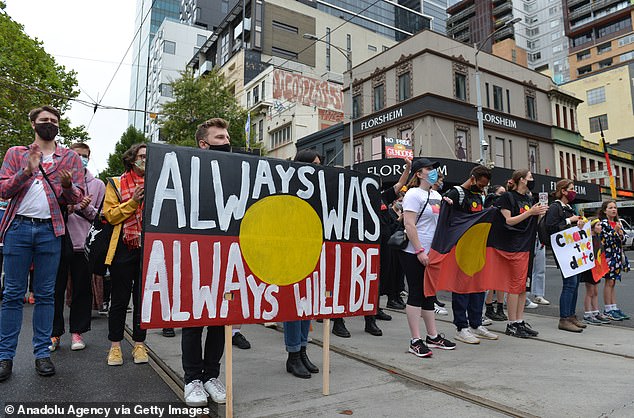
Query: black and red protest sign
(234,239)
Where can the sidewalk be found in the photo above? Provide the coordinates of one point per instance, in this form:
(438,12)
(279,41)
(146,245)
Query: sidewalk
(557,374)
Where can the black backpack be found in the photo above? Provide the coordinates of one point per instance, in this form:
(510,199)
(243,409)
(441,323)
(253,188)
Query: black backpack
(542,230)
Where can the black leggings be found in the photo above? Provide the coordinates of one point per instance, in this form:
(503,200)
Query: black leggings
(415,273)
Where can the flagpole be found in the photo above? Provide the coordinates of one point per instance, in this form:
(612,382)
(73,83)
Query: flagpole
(607,163)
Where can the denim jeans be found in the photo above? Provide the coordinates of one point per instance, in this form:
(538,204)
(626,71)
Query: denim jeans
(538,285)
(296,335)
(470,305)
(568,298)
(27,242)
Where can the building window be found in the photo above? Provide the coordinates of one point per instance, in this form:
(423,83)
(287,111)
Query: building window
(460,81)
(583,55)
(248,99)
(614,27)
(224,49)
(377,148)
(598,122)
(584,70)
(356,106)
(498,98)
(531,110)
(166,90)
(532,158)
(461,142)
(281,136)
(358,152)
(572,119)
(626,40)
(404,82)
(508,100)
(169,47)
(371,48)
(486,87)
(565,117)
(285,27)
(557,114)
(626,57)
(349,50)
(379,96)
(603,48)
(499,152)
(284,53)
(605,63)
(596,96)
(260,129)
(582,39)
(256,95)
(200,40)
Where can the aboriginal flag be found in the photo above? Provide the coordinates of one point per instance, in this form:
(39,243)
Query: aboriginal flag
(475,252)
(601,267)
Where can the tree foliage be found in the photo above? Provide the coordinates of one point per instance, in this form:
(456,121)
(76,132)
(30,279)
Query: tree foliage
(195,101)
(115,162)
(29,78)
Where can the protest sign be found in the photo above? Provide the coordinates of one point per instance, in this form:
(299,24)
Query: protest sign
(573,250)
(235,239)
(398,148)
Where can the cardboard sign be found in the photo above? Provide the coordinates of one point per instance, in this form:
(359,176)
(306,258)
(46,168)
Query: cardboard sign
(573,250)
(235,239)
(398,148)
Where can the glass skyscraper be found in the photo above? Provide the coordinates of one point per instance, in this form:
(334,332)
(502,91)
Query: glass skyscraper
(149,16)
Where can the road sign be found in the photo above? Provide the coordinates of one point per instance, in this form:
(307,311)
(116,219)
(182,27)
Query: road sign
(591,175)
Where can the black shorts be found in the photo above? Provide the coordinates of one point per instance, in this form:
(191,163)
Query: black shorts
(415,275)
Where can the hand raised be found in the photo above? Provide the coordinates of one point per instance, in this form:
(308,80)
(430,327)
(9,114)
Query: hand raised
(66,178)
(139,193)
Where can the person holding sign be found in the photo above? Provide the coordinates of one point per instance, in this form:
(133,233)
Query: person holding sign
(521,215)
(123,208)
(201,363)
(561,216)
(296,332)
(613,238)
(421,206)
(591,314)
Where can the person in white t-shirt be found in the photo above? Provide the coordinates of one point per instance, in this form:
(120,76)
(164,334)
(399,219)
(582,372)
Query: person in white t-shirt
(421,206)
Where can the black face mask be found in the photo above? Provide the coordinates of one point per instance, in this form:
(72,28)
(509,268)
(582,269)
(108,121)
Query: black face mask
(475,189)
(223,147)
(530,184)
(47,131)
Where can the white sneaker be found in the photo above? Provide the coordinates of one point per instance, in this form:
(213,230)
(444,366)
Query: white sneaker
(195,394)
(440,310)
(530,305)
(486,321)
(540,300)
(216,390)
(466,336)
(482,332)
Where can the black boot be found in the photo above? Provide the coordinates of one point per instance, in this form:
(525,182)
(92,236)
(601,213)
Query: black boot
(370,326)
(339,328)
(294,365)
(306,361)
(491,314)
(500,312)
(382,316)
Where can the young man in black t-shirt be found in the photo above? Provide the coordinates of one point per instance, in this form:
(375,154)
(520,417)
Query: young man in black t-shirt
(467,308)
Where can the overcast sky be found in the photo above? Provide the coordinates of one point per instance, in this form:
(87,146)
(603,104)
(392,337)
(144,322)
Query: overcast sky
(89,37)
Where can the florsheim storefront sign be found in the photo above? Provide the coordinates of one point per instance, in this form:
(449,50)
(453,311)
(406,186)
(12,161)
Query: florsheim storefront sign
(456,172)
(449,108)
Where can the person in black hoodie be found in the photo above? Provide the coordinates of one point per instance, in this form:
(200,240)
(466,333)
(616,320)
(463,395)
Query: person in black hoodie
(561,216)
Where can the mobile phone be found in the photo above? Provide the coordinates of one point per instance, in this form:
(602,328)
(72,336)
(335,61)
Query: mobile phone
(543,198)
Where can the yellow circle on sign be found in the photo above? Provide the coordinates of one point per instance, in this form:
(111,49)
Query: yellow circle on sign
(471,249)
(280,239)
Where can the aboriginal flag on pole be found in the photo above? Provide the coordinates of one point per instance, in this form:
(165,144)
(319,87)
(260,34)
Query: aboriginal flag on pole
(475,252)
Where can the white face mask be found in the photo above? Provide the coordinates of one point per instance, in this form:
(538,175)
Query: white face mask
(140,164)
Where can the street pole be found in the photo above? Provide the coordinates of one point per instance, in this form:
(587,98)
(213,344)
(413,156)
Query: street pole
(349,58)
(480,116)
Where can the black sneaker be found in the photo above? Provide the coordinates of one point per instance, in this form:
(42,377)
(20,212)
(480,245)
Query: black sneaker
(493,316)
(439,303)
(240,341)
(169,332)
(104,309)
(419,349)
(528,329)
(395,304)
(516,331)
(440,342)
(382,316)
